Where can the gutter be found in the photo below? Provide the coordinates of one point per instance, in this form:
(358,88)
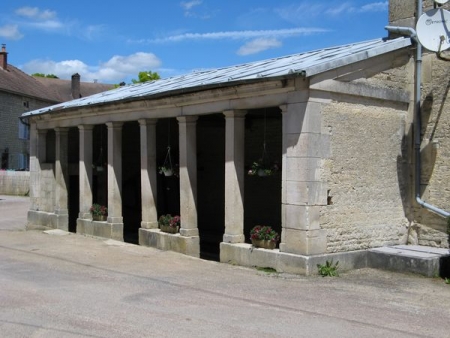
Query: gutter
(417,112)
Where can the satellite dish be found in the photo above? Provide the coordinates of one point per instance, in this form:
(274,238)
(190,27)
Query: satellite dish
(433,29)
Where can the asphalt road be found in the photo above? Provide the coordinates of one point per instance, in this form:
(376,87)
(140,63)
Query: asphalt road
(66,285)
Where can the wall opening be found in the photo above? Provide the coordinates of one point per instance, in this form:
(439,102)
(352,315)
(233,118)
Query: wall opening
(131,182)
(262,197)
(211,184)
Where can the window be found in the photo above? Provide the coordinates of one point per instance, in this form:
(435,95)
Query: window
(24,131)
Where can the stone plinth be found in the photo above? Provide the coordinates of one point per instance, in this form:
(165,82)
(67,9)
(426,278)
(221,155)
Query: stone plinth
(100,229)
(155,238)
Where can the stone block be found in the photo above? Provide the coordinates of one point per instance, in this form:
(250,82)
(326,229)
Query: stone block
(305,193)
(307,145)
(302,168)
(173,242)
(302,118)
(301,217)
(304,242)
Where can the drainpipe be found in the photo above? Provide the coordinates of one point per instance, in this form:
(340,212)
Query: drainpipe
(417,113)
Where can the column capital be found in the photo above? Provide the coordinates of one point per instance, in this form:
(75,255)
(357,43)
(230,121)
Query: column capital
(284,108)
(114,125)
(147,122)
(86,127)
(187,119)
(233,113)
(41,131)
(61,130)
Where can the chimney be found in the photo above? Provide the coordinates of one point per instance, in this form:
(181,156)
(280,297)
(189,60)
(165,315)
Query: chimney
(3,57)
(76,91)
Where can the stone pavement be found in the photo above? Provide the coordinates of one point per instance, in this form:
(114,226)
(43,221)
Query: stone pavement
(56,284)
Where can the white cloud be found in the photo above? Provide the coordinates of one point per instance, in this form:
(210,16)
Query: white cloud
(375,7)
(10,32)
(47,25)
(187,5)
(258,45)
(115,70)
(36,13)
(340,9)
(237,35)
(305,11)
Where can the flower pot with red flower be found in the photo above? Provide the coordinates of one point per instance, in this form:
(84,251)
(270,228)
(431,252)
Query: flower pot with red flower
(99,212)
(263,236)
(168,223)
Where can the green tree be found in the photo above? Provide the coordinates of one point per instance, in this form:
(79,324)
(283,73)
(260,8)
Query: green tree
(146,76)
(50,76)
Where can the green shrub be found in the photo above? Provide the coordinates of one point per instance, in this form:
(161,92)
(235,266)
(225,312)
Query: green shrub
(328,269)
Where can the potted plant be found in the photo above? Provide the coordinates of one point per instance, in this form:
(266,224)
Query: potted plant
(263,236)
(98,212)
(168,171)
(168,223)
(261,169)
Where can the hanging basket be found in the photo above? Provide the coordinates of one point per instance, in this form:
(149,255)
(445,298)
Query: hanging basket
(264,166)
(167,172)
(167,169)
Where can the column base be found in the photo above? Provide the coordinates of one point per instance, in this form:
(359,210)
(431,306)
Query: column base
(149,225)
(304,242)
(83,215)
(233,238)
(189,232)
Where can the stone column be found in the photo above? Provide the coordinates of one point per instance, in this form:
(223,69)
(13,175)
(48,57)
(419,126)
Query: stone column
(38,140)
(303,192)
(86,142)
(62,178)
(188,175)
(115,218)
(148,174)
(234,176)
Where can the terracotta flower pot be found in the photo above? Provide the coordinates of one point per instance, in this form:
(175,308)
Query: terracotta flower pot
(168,229)
(99,218)
(265,244)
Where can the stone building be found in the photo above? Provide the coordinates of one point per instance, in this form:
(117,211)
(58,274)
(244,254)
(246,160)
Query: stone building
(338,120)
(20,93)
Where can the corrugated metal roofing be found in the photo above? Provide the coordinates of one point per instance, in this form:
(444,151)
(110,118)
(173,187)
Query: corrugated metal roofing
(308,63)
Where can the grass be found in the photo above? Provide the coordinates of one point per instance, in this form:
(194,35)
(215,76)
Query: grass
(328,269)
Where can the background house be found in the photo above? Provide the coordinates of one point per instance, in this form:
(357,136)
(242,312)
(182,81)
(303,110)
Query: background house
(19,93)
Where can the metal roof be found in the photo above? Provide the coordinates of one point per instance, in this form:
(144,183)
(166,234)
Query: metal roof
(308,64)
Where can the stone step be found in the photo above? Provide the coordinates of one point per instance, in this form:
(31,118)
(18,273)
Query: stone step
(427,261)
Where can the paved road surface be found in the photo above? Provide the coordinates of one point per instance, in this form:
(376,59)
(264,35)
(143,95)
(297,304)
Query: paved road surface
(65,285)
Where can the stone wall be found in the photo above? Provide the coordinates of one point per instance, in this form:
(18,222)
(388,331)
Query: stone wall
(426,227)
(14,183)
(365,205)
(430,229)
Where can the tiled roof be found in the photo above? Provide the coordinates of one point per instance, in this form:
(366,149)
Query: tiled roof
(307,64)
(62,89)
(14,80)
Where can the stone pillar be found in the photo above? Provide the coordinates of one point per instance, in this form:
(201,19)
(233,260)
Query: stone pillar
(234,176)
(35,136)
(303,192)
(188,175)
(148,174)
(62,178)
(86,142)
(115,218)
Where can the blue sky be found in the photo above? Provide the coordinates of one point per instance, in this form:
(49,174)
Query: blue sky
(111,41)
